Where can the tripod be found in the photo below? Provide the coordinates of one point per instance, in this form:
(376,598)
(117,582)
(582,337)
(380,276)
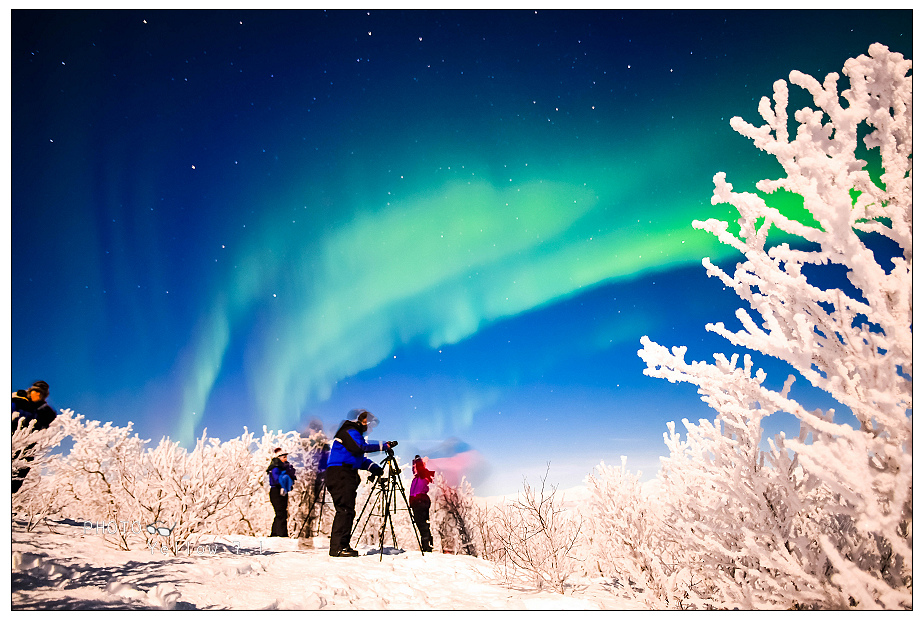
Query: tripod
(320,493)
(383,501)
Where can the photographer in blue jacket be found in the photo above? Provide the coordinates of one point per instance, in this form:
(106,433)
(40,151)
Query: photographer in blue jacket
(347,457)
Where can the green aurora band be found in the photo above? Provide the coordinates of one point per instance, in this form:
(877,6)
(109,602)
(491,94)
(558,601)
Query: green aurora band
(431,268)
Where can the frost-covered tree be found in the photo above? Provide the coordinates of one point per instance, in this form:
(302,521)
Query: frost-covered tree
(822,520)
(537,537)
(741,523)
(451,516)
(484,523)
(200,485)
(307,496)
(33,452)
(102,462)
(112,481)
(628,541)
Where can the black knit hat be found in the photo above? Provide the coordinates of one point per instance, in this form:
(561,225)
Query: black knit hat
(365,414)
(40,387)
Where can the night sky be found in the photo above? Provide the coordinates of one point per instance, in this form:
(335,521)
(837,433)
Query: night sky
(463,221)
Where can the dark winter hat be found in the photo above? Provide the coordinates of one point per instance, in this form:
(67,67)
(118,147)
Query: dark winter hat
(356,414)
(363,414)
(40,387)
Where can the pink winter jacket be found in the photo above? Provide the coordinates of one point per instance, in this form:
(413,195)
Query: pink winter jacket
(422,478)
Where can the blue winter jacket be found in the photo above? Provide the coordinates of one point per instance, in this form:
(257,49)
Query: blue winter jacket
(349,447)
(285,482)
(275,471)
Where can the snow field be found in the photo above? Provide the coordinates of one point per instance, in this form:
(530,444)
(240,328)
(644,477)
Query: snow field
(71,569)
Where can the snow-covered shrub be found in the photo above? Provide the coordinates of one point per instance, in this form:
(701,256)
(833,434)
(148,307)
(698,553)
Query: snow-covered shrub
(741,521)
(249,512)
(537,537)
(102,462)
(306,497)
(32,450)
(826,522)
(628,541)
(451,516)
(484,521)
(193,490)
(111,481)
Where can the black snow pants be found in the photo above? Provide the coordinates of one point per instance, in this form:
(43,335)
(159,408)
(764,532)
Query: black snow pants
(342,482)
(280,504)
(420,506)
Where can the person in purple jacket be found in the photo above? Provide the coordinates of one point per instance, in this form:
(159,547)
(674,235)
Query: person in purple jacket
(420,502)
(347,457)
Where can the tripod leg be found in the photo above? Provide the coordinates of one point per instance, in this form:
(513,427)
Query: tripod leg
(389,498)
(385,517)
(392,502)
(321,493)
(369,499)
(307,520)
(414,527)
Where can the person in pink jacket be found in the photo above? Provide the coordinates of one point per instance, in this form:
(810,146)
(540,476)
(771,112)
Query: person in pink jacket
(420,502)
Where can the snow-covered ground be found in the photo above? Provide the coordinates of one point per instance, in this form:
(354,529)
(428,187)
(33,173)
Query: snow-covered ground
(72,567)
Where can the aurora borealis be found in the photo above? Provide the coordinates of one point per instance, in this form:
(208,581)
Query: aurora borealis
(463,221)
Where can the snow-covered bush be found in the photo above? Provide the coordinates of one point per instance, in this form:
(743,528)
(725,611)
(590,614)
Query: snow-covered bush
(307,495)
(484,521)
(741,521)
(102,463)
(112,481)
(451,516)
(32,455)
(536,537)
(192,491)
(249,513)
(822,520)
(628,540)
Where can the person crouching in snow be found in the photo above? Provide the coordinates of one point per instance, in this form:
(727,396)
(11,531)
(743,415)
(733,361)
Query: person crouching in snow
(281,478)
(420,502)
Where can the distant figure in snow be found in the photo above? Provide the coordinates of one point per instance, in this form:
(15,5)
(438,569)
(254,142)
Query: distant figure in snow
(28,405)
(347,457)
(420,502)
(281,478)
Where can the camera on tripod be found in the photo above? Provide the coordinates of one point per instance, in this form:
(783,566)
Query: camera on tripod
(389,465)
(382,501)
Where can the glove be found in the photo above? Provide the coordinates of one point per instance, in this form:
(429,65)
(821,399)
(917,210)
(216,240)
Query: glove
(391,444)
(375,470)
(282,491)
